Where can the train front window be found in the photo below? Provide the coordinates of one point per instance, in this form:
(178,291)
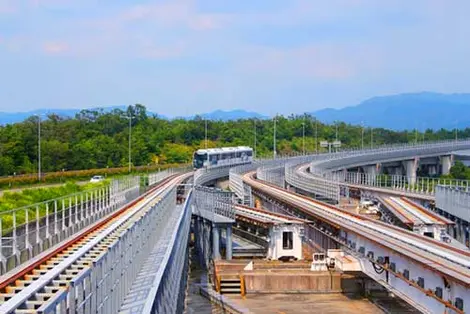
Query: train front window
(199,160)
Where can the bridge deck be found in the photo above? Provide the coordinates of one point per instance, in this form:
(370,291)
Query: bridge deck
(306,303)
(264,216)
(411,213)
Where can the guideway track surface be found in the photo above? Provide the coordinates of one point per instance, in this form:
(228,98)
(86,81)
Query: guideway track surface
(445,259)
(411,213)
(62,264)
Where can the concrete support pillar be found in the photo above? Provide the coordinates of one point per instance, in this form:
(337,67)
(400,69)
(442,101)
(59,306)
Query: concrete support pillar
(215,242)
(206,241)
(228,243)
(199,239)
(396,171)
(411,167)
(467,235)
(371,174)
(461,232)
(446,162)
(432,170)
(202,241)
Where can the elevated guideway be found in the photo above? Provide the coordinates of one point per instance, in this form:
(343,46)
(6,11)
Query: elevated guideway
(91,271)
(418,218)
(413,214)
(335,167)
(424,272)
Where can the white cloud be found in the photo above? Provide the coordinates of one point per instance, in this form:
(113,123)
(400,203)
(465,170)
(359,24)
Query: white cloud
(55,48)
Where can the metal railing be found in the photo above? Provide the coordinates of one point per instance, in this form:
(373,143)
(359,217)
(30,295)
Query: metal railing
(453,200)
(210,203)
(205,175)
(324,168)
(319,187)
(273,174)
(240,189)
(161,282)
(344,159)
(155,177)
(422,185)
(26,232)
(103,285)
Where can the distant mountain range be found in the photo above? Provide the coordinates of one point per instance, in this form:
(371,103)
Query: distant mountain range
(397,112)
(232,115)
(14,117)
(405,111)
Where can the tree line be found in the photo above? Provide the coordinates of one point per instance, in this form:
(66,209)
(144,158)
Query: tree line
(99,139)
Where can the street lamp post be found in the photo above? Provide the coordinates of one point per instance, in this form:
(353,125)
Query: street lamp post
(129,117)
(336,124)
(254,126)
(39,146)
(371,137)
(362,138)
(303,137)
(316,136)
(205,133)
(274,138)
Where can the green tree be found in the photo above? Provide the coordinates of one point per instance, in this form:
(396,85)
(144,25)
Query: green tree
(459,171)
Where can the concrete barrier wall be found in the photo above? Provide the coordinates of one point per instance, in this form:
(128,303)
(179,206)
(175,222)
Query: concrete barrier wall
(310,282)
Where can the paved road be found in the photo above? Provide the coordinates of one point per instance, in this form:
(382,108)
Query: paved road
(39,186)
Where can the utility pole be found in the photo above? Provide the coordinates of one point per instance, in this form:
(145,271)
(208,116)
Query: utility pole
(316,135)
(205,133)
(362,137)
(39,147)
(254,123)
(424,132)
(371,137)
(129,117)
(336,123)
(130,138)
(336,138)
(274,138)
(416,136)
(303,136)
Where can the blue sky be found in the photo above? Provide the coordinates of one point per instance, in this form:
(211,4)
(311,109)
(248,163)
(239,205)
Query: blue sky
(183,57)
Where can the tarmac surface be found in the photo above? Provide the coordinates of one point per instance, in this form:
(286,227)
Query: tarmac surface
(306,303)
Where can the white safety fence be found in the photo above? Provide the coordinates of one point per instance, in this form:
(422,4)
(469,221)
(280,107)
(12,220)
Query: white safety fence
(102,286)
(154,178)
(422,185)
(26,232)
(273,174)
(169,286)
(210,202)
(455,201)
(205,175)
(319,187)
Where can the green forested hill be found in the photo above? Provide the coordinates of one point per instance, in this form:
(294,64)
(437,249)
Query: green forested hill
(94,139)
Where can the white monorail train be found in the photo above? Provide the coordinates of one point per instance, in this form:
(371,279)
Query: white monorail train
(218,157)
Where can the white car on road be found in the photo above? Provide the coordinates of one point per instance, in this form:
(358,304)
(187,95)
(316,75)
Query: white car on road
(97,179)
